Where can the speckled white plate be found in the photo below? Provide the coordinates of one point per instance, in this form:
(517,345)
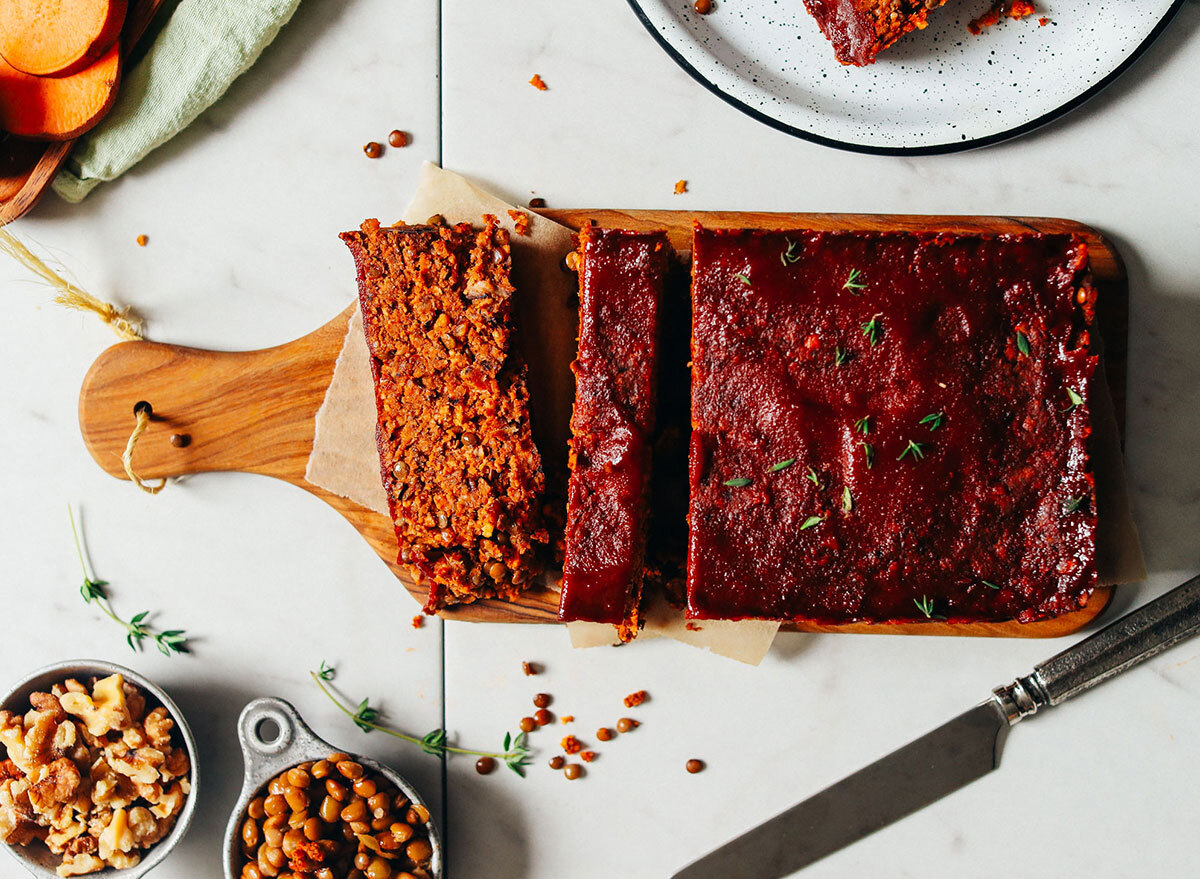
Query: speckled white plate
(935,91)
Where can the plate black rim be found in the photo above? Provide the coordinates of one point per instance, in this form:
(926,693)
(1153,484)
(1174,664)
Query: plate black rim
(935,149)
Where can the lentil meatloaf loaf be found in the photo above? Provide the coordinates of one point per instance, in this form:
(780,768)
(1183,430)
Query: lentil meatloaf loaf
(621,276)
(890,426)
(462,475)
(861,29)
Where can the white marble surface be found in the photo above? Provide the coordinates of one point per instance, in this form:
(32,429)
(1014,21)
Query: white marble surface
(242,213)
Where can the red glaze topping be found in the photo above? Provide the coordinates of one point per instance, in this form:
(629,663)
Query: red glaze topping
(860,29)
(966,492)
(620,290)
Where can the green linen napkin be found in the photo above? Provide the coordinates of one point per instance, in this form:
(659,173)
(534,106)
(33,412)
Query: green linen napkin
(201,49)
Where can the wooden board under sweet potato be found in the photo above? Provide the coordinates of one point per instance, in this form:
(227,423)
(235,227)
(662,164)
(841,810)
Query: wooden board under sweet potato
(254,411)
(27,168)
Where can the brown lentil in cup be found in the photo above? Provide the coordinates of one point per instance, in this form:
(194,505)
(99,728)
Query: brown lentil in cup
(334,819)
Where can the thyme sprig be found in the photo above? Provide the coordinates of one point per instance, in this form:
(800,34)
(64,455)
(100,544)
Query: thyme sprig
(869,451)
(853,282)
(813,477)
(917,450)
(811,522)
(934,420)
(738,482)
(840,355)
(1073,504)
(515,753)
(789,256)
(863,425)
(94,591)
(783,465)
(872,330)
(925,605)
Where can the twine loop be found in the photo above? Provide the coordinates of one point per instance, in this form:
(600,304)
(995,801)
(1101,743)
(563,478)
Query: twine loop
(141,412)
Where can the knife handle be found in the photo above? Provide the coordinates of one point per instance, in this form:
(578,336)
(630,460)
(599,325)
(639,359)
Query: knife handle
(1150,629)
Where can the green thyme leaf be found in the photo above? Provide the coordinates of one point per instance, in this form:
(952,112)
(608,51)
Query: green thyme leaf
(326,672)
(989,585)
(1076,400)
(1022,343)
(782,465)
(925,605)
(917,450)
(739,482)
(872,330)
(847,500)
(934,420)
(869,451)
(853,282)
(840,356)
(813,478)
(1073,503)
(789,256)
(811,522)
(743,279)
(863,425)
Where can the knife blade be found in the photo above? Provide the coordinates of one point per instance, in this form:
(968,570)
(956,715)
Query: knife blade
(951,756)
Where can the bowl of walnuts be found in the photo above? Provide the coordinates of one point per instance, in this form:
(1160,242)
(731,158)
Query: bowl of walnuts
(97,771)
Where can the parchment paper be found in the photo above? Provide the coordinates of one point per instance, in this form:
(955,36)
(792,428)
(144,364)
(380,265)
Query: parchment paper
(345,461)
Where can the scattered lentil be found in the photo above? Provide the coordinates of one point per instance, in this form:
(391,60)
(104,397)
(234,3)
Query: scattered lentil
(484,765)
(635,699)
(693,766)
(142,241)
(528,724)
(558,761)
(604,734)
(571,745)
(529,668)
(181,440)
(373,150)
(587,756)
(398,138)
(542,717)
(703,7)
(573,771)
(627,724)
(537,202)
(542,700)
(680,187)
(538,84)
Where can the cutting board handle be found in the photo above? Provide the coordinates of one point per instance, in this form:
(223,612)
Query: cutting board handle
(250,411)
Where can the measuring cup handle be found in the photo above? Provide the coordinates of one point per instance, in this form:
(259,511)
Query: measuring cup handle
(262,750)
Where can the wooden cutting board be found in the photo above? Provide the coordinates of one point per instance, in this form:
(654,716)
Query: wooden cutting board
(253,411)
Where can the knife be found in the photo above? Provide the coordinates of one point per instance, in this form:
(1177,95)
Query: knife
(953,755)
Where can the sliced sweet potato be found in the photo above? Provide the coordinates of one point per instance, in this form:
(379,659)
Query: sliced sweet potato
(58,37)
(58,107)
